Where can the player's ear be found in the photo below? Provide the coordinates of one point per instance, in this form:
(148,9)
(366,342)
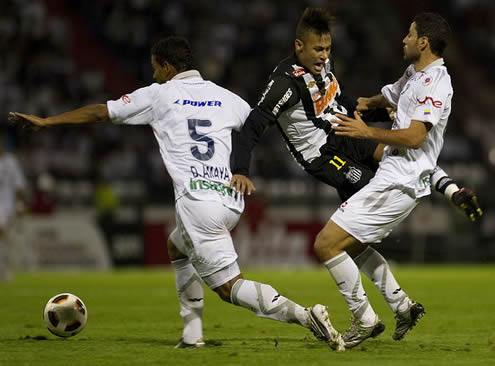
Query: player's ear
(299,45)
(424,43)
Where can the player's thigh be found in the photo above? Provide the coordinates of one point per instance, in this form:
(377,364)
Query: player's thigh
(204,227)
(174,242)
(373,212)
(342,172)
(360,150)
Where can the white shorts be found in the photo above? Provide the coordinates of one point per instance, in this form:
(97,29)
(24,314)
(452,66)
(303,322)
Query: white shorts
(222,276)
(373,212)
(203,234)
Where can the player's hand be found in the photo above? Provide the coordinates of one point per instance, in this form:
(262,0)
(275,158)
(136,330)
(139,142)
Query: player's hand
(242,184)
(27,119)
(466,200)
(363,104)
(352,127)
(391,113)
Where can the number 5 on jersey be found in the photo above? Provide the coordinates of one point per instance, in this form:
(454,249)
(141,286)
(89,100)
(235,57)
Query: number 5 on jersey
(192,124)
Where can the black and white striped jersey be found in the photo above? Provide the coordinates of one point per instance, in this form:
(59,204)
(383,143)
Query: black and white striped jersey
(301,105)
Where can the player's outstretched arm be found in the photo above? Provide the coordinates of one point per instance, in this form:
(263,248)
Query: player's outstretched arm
(410,137)
(88,114)
(463,198)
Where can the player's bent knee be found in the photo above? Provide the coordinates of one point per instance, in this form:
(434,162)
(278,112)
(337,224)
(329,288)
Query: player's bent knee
(225,290)
(322,244)
(329,243)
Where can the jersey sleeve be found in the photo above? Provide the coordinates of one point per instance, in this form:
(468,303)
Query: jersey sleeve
(250,134)
(135,108)
(391,92)
(280,94)
(431,97)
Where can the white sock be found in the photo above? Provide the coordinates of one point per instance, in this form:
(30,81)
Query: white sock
(190,292)
(348,279)
(266,302)
(376,268)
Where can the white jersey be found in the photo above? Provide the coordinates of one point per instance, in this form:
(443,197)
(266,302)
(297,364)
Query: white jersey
(192,120)
(423,96)
(11,181)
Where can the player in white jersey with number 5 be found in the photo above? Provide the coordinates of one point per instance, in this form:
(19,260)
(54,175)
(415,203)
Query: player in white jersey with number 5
(192,120)
(422,97)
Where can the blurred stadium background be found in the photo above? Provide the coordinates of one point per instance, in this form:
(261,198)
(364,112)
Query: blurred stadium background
(99,195)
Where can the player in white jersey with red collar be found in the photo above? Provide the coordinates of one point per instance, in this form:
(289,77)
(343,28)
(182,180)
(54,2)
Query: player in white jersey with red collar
(422,98)
(12,187)
(192,120)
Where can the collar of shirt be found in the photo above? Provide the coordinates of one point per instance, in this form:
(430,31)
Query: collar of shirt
(189,74)
(437,62)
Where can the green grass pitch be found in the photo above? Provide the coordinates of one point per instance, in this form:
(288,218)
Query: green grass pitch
(133,320)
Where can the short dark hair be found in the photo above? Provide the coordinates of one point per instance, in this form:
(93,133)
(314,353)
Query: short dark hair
(435,28)
(315,20)
(174,50)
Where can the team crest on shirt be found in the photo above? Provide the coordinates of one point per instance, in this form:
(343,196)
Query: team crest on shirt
(427,81)
(353,175)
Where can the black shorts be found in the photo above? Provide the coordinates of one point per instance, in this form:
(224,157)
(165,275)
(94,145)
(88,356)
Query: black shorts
(346,164)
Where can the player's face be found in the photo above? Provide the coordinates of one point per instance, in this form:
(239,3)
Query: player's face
(411,44)
(314,51)
(162,73)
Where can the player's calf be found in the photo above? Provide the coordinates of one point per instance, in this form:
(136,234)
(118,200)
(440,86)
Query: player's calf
(190,294)
(266,302)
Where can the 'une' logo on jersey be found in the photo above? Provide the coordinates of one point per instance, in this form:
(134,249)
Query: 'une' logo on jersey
(199,103)
(434,103)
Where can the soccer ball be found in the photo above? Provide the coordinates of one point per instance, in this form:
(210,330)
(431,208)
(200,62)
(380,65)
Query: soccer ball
(65,315)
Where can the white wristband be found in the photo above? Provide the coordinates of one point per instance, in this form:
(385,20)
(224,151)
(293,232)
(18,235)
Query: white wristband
(450,190)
